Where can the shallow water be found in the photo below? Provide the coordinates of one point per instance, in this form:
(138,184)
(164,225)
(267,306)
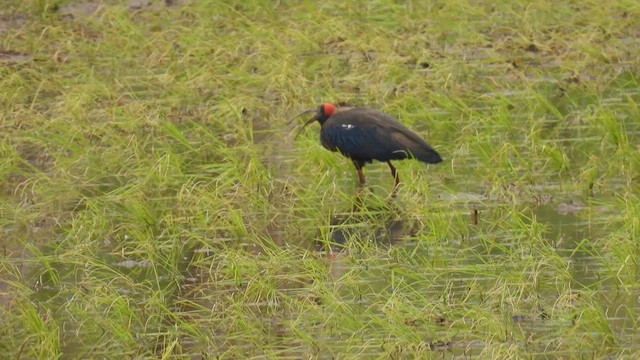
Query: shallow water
(571,219)
(152,212)
(373,249)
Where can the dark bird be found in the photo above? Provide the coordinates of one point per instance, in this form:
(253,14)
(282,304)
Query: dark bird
(364,134)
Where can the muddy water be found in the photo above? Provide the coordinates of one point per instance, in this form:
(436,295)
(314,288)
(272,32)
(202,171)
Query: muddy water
(366,239)
(474,264)
(572,219)
(566,230)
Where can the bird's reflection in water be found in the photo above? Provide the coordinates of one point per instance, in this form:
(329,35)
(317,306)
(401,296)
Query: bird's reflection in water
(371,222)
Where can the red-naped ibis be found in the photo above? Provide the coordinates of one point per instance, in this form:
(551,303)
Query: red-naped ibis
(364,134)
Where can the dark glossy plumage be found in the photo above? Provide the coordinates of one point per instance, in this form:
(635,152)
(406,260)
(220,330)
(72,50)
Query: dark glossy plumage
(364,135)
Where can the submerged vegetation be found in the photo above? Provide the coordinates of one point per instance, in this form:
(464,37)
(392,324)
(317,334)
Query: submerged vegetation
(156,204)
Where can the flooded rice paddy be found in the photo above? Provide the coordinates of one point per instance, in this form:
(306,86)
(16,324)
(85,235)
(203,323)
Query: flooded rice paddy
(156,202)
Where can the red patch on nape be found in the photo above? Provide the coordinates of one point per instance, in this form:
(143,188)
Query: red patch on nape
(329,109)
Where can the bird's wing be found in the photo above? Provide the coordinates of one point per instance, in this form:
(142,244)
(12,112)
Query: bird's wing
(360,140)
(350,139)
(401,139)
(393,126)
(372,134)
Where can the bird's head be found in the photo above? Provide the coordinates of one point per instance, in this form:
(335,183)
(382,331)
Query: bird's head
(325,111)
(322,113)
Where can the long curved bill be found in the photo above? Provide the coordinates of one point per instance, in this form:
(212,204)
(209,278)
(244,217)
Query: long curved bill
(302,114)
(305,124)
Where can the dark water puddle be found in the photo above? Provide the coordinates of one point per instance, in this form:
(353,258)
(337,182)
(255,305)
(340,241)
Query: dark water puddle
(378,227)
(8,57)
(80,10)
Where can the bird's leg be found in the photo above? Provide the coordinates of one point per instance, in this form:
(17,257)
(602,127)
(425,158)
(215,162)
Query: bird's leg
(361,176)
(395,174)
(359,166)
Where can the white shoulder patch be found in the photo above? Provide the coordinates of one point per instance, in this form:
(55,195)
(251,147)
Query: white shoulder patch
(348,126)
